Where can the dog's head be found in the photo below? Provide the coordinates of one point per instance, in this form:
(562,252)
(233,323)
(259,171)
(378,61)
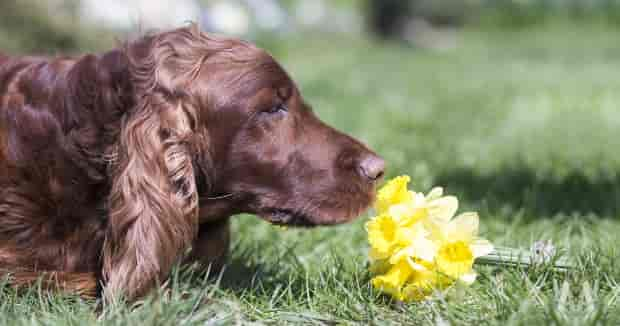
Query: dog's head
(218,128)
(252,144)
(269,152)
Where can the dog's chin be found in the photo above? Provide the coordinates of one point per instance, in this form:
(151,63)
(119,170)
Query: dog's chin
(288,217)
(331,212)
(326,216)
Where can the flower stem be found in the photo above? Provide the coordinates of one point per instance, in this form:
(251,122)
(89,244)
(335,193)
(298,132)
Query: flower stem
(504,256)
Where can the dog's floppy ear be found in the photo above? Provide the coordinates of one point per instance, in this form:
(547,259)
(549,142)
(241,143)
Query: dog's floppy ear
(153,203)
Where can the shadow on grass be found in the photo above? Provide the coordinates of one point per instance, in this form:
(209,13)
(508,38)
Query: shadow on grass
(244,273)
(521,188)
(285,275)
(240,275)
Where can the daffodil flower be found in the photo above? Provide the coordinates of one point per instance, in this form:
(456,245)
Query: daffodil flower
(458,245)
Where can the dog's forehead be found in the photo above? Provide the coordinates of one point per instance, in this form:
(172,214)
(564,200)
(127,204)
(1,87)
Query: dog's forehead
(246,79)
(268,74)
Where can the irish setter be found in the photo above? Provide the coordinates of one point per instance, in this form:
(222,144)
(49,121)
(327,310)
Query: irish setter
(116,166)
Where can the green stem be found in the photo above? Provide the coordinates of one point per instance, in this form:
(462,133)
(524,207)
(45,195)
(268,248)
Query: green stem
(504,256)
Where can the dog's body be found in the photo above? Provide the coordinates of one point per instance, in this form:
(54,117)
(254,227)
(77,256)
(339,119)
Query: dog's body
(113,165)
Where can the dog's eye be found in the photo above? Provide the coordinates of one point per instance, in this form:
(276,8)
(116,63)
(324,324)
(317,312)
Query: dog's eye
(276,109)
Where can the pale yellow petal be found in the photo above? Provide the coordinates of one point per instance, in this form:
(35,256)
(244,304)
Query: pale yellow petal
(399,255)
(434,233)
(481,247)
(463,228)
(443,208)
(418,199)
(405,236)
(421,248)
(416,265)
(406,214)
(435,193)
(425,250)
(401,212)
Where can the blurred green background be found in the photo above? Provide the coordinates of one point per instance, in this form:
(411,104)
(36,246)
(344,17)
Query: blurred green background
(27,25)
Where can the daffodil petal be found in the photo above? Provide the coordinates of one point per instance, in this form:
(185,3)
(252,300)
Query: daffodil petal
(426,250)
(421,248)
(418,199)
(435,229)
(399,255)
(381,233)
(416,266)
(393,281)
(443,208)
(405,236)
(435,193)
(394,192)
(463,228)
(400,212)
(481,247)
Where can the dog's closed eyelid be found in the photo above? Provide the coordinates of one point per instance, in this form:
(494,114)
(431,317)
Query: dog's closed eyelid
(277,108)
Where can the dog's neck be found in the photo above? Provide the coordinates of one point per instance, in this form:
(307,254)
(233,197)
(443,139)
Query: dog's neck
(89,103)
(101,84)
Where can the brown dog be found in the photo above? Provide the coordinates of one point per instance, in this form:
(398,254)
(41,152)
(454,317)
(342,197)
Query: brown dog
(113,165)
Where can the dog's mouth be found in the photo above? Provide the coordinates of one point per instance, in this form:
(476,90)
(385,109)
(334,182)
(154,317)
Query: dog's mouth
(289,217)
(330,212)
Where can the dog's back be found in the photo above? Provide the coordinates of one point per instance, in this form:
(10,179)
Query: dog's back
(30,152)
(51,171)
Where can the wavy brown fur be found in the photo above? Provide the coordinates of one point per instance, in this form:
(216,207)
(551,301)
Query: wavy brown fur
(82,284)
(113,166)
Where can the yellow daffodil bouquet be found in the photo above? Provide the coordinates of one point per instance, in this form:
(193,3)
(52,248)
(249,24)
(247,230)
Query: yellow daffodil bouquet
(417,245)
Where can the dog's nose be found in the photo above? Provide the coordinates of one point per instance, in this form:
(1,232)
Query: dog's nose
(372,167)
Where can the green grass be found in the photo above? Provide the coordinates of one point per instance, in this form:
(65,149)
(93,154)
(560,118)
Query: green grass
(522,126)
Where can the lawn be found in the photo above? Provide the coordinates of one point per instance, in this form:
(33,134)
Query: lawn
(522,126)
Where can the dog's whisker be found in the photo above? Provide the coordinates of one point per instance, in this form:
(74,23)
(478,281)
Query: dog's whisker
(217,197)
